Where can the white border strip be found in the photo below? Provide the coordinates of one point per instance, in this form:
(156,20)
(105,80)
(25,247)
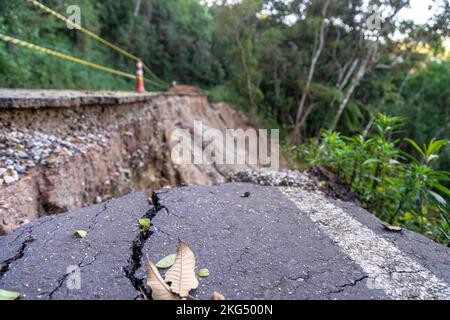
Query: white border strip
(387,267)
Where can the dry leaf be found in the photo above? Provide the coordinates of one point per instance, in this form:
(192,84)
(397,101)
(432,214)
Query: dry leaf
(182,274)
(391,228)
(160,289)
(218,296)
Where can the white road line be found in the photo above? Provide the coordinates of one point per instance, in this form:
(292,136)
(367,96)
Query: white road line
(387,267)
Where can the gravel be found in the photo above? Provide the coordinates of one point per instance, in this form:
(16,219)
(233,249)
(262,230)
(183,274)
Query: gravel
(21,150)
(287,178)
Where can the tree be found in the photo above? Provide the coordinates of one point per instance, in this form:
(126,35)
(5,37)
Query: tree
(238,22)
(370,59)
(321,35)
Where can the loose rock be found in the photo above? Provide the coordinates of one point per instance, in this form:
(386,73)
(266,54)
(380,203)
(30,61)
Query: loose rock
(21,150)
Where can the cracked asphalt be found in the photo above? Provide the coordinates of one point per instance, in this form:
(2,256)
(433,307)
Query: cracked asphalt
(39,259)
(258,242)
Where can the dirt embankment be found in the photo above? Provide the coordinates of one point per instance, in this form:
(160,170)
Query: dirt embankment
(73,149)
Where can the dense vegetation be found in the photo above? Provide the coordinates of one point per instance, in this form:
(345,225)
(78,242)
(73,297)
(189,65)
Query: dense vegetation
(310,67)
(400,188)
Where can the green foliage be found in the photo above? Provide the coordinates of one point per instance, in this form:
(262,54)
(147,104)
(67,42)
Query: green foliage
(241,58)
(424,102)
(173,38)
(261,64)
(227,93)
(409,193)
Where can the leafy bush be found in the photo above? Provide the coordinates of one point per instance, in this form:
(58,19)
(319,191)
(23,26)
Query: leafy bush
(398,187)
(227,93)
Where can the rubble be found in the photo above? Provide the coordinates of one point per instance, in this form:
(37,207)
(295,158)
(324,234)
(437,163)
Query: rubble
(287,178)
(21,150)
(8,175)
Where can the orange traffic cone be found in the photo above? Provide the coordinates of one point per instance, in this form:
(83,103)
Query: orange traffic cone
(140,77)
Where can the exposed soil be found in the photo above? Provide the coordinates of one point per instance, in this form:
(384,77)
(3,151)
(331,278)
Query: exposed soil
(63,150)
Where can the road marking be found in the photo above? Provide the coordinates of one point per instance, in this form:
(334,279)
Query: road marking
(387,267)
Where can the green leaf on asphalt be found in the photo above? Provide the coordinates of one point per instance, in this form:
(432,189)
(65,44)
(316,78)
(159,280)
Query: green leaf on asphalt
(9,295)
(203,273)
(145,223)
(80,234)
(166,262)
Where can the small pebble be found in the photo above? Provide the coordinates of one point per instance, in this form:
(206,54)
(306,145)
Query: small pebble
(289,178)
(21,150)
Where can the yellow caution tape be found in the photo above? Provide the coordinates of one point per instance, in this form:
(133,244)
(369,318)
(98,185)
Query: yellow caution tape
(78,27)
(64,56)
(93,35)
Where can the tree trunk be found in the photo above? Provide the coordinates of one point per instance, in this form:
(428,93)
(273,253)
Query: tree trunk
(370,124)
(349,74)
(312,69)
(253,106)
(365,66)
(344,77)
(355,82)
(137,8)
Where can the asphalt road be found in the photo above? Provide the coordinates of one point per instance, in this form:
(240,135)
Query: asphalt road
(272,243)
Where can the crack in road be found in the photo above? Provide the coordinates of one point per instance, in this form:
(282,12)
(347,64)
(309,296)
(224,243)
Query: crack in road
(164,232)
(135,259)
(351,284)
(61,281)
(93,225)
(279,265)
(5,265)
(80,265)
(34,226)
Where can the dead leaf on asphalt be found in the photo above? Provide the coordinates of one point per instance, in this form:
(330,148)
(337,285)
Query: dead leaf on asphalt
(218,296)
(160,289)
(179,280)
(391,227)
(182,274)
